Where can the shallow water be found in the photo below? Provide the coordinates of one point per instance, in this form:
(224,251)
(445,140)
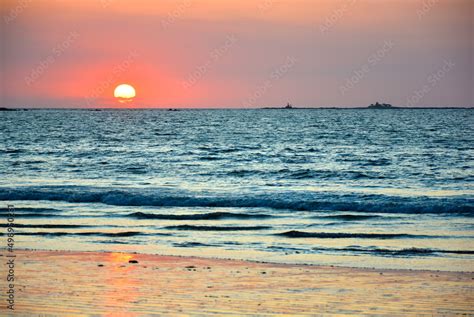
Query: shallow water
(383,188)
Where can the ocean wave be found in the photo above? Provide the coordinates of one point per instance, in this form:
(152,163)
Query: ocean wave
(44,226)
(290,200)
(12,151)
(192,245)
(99,234)
(374,251)
(347,217)
(27,212)
(37,215)
(217,228)
(28,209)
(302,174)
(345,235)
(204,216)
(396,252)
(112,242)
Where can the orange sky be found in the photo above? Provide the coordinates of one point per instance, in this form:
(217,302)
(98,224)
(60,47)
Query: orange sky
(215,53)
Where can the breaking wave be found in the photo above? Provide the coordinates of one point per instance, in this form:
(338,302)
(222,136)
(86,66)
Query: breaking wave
(301,200)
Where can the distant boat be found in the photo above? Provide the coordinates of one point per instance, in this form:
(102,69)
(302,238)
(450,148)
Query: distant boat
(288,106)
(381,106)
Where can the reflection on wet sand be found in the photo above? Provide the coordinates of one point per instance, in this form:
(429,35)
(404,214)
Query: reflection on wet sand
(53,282)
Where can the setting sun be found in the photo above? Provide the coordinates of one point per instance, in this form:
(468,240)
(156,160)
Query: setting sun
(124,93)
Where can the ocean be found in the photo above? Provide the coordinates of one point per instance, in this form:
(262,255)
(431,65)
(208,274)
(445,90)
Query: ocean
(348,187)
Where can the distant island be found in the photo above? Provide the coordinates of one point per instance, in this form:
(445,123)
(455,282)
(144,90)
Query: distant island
(7,109)
(381,106)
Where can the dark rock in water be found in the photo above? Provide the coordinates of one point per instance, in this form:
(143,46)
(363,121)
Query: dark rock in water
(100,265)
(6,109)
(132,261)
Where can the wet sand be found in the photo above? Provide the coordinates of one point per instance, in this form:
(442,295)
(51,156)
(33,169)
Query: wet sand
(70,283)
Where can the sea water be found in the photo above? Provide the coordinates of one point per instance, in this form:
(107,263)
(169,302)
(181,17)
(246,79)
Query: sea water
(352,187)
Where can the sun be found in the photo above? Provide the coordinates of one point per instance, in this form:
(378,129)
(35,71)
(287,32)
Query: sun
(124,93)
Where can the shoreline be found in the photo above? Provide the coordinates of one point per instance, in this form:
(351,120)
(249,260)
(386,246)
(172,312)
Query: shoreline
(74,282)
(213,258)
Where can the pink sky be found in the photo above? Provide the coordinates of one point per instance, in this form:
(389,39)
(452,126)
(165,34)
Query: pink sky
(215,53)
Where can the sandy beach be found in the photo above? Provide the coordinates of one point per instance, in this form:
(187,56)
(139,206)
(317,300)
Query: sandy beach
(83,283)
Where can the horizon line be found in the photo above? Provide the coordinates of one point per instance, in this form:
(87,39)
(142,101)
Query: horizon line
(226,108)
